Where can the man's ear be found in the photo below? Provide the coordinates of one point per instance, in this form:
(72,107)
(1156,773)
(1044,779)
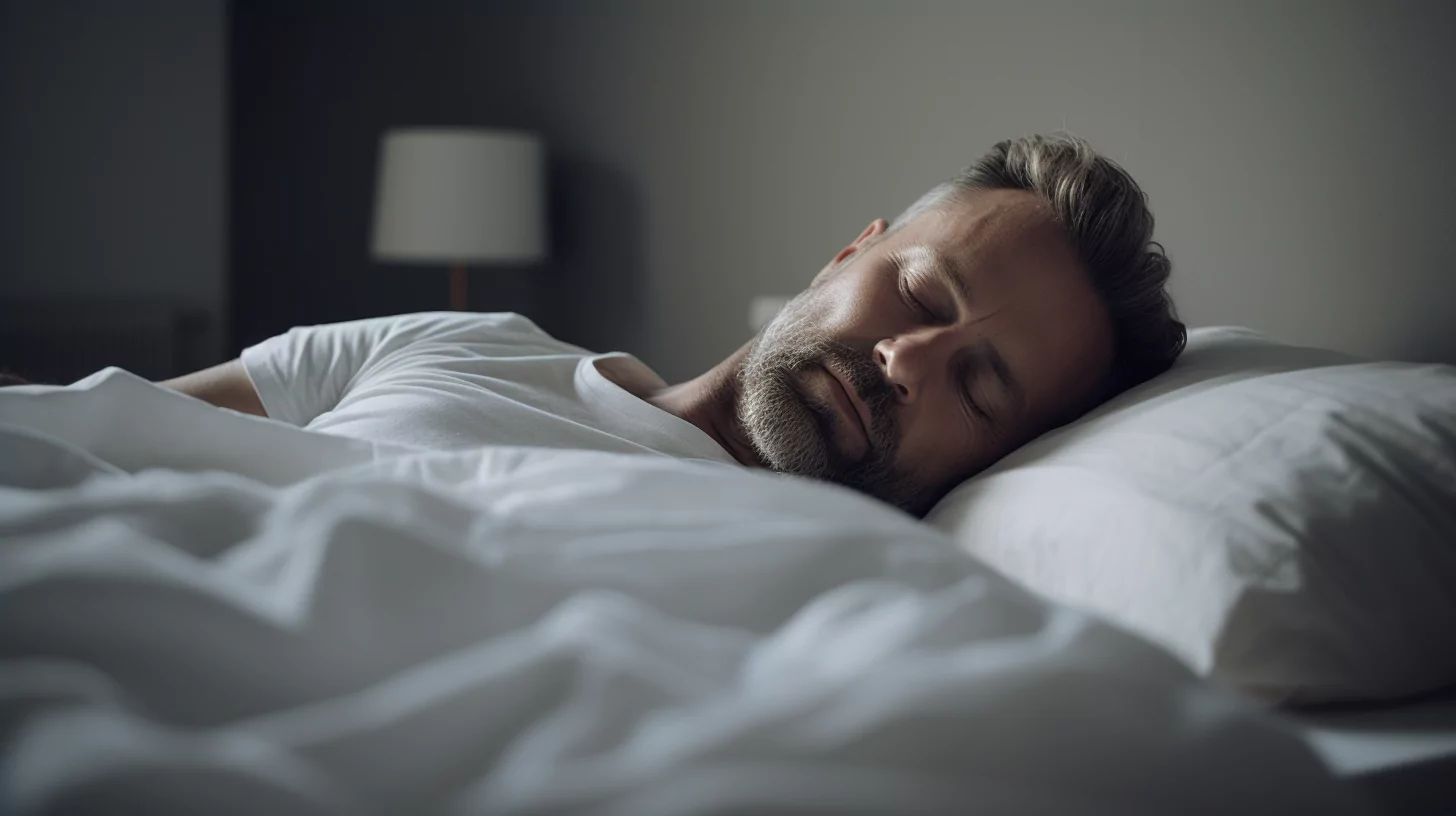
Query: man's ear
(876,228)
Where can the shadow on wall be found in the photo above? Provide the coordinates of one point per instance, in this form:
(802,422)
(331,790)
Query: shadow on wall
(593,291)
(1433,340)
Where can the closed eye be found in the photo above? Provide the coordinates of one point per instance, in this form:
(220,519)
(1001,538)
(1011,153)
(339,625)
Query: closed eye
(916,306)
(976,411)
(941,289)
(966,378)
(984,367)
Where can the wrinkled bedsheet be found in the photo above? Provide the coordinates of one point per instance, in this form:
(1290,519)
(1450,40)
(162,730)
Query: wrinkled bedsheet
(202,612)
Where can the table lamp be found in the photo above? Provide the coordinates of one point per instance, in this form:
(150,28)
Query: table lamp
(459,196)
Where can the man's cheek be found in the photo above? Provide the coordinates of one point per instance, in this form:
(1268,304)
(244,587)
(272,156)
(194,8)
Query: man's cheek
(847,319)
(931,447)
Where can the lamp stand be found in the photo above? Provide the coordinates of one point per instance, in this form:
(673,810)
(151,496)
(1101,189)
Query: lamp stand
(459,288)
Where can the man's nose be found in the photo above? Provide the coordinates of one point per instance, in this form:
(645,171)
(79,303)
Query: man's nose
(911,360)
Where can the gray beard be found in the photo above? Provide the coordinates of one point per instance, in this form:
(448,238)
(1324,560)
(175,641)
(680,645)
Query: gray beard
(790,430)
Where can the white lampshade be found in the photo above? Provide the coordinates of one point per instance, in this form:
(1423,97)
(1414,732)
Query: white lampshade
(459,196)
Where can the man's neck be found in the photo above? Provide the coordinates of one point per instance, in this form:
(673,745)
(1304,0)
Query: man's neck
(710,401)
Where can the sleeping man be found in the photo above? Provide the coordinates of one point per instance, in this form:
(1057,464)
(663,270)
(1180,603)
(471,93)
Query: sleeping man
(1004,302)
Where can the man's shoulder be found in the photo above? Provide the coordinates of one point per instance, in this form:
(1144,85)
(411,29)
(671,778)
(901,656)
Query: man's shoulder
(489,322)
(504,328)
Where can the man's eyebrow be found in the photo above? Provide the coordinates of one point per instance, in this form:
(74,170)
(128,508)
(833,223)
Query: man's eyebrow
(937,265)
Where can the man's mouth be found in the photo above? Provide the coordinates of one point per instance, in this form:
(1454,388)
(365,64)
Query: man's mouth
(852,409)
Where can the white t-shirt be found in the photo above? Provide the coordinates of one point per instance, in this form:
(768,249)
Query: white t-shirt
(452,380)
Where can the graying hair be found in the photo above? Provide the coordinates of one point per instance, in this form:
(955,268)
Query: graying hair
(1107,218)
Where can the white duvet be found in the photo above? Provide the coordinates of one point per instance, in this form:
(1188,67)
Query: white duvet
(202,612)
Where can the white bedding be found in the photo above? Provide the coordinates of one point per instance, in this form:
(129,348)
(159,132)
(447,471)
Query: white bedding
(344,628)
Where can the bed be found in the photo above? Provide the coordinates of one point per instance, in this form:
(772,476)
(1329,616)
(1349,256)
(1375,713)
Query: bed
(316,624)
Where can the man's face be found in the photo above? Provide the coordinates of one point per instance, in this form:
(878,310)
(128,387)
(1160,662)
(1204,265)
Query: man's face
(920,357)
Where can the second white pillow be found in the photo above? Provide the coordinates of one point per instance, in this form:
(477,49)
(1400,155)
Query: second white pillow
(1282,518)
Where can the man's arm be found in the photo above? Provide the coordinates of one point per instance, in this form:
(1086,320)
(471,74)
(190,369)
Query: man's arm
(226,386)
(299,375)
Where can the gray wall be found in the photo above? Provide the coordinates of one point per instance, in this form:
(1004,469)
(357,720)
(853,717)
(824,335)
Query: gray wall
(112,144)
(1295,152)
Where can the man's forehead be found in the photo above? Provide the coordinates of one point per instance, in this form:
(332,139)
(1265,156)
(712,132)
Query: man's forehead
(985,222)
(989,233)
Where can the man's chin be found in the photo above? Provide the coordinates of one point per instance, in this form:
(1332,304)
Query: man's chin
(794,460)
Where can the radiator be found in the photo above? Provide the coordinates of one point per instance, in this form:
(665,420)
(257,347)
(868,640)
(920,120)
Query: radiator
(62,341)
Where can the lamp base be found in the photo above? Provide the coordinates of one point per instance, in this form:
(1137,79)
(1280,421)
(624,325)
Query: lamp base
(459,288)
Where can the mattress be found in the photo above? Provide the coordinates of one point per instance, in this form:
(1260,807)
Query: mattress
(1403,754)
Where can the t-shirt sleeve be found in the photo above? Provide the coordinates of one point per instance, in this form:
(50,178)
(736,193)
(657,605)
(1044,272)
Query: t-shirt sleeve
(306,371)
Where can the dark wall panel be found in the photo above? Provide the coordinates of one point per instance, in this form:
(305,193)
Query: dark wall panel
(313,88)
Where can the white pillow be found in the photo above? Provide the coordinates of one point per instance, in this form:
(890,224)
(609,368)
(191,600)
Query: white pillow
(1282,518)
